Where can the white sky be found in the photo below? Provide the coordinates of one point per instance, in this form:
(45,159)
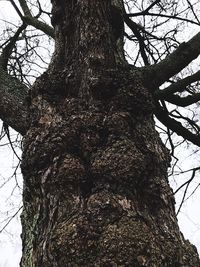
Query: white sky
(10,201)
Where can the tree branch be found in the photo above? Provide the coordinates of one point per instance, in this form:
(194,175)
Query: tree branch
(144,13)
(25,8)
(176,126)
(183,101)
(7,50)
(39,25)
(17,9)
(191,123)
(13,110)
(33,21)
(159,73)
(135,29)
(179,86)
(151,6)
(192,8)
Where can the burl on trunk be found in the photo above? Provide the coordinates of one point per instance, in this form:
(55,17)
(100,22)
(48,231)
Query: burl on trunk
(95,170)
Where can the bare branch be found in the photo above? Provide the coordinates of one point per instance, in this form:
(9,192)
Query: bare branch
(7,132)
(25,8)
(10,219)
(176,126)
(192,8)
(135,29)
(33,21)
(39,25)
(173,63)
(151,6)
(179,86)
(7,50)
(187,183)
(17,9)
(190,122)
(183,101)
(163,16)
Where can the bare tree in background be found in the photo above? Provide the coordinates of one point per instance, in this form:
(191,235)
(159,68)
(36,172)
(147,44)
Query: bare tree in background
(96,191)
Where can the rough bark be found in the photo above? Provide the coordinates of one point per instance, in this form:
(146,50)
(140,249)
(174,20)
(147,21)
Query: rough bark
(95,170)
(13,102)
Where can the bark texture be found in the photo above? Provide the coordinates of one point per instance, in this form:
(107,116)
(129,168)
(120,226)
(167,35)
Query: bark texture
(95,170)
(13,102)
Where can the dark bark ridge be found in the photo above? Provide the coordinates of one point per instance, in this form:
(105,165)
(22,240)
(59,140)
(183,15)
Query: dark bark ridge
(95,170)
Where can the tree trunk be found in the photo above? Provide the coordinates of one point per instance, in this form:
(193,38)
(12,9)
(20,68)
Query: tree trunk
(95,170)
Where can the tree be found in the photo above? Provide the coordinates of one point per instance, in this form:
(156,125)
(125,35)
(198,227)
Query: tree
(96,191)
